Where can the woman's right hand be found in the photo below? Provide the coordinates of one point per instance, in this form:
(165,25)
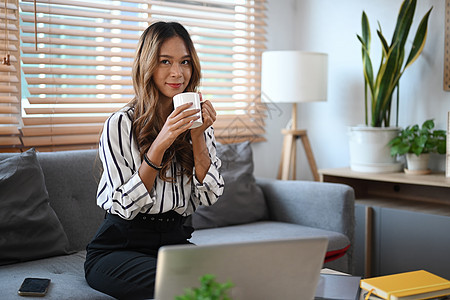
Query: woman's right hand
(176,123)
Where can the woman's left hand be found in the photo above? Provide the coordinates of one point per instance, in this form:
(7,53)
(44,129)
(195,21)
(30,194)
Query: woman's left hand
(208,116)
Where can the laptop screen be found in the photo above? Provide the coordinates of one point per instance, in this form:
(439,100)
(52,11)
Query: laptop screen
(275,269)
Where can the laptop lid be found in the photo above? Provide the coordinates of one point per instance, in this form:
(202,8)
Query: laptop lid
(275,269)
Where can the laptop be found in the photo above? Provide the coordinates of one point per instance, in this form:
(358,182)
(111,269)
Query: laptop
(275,269)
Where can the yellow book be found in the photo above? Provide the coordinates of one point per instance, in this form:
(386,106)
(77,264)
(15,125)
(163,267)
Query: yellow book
(407,286)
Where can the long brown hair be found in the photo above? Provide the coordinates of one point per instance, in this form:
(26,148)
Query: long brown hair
(147,123)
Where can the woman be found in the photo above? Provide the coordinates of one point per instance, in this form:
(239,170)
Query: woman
(156,170)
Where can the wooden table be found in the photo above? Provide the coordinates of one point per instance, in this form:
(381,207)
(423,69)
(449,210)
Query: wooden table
(428,194)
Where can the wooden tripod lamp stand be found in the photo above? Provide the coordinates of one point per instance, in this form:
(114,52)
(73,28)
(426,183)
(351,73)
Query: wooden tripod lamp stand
(294,77)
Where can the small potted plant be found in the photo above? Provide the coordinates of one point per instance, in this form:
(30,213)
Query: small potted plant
(417,143)
(209,289)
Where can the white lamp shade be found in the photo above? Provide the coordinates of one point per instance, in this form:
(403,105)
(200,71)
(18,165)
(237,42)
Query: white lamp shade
(294,76)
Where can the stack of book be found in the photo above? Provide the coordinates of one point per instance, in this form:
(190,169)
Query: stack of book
(406,286)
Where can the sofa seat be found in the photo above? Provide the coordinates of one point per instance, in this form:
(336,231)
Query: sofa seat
(66,274)
(338,243)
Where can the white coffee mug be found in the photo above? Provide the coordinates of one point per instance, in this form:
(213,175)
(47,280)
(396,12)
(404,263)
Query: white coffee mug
(183,98)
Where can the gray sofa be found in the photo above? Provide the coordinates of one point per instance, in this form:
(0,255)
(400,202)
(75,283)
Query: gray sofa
(290,209)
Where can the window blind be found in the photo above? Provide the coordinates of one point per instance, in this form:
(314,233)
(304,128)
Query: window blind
(80,72)
(9,75)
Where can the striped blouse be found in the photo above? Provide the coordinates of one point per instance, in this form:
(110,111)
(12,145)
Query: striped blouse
(121,190)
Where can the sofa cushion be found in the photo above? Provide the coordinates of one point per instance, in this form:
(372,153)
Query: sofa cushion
(242,200)
(65,272)
(29,227)
(73,195)
(338,243)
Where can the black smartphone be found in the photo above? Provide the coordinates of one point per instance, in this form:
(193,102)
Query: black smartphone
(34,287)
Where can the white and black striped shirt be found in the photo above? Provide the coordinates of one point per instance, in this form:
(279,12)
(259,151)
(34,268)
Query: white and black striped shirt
(121,190)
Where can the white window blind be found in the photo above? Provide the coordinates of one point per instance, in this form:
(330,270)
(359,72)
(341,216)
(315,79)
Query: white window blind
(9,75)
(80,72)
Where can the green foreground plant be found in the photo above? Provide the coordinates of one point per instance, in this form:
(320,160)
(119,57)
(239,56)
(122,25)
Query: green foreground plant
(209,289)
(417,140)
(391,67)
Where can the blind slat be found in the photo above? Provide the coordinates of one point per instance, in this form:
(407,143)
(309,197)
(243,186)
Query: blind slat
(9,120)
(69,110)
(6,68)
(9,130)
(28,121)
(79,42)
(9,78)
(60,140)
(10,5)
(10,141)
(8,89)
(76,100)
(73,62)
(78,81)
(8,110)
(61,130)
(74,71)
(9,99)
(66,147)
(78,91)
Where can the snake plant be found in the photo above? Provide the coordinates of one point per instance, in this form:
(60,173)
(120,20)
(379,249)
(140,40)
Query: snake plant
(391,67)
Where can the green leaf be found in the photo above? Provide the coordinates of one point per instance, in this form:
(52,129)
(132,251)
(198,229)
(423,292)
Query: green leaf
(365,29)
(404,21)
(365,40)
(441,148)
(384,44)
(428,125)
(419,40)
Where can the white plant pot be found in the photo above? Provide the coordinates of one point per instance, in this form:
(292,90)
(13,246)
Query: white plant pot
(369,149)
(417,163)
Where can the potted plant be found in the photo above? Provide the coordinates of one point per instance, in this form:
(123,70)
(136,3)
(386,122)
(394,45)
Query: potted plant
(379,87)
(209,289)
(417,143)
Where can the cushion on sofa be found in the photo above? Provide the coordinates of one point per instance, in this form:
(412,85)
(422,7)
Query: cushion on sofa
(29,227)
(72,196)
(242,200)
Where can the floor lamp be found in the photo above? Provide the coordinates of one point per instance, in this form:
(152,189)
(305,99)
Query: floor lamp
(294,77)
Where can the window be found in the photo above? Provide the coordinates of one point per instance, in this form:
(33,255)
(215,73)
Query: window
(80,72)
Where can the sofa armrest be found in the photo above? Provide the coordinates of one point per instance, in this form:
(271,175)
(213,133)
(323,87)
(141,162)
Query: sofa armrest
(323,205)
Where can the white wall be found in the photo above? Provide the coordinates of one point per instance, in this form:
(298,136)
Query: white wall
(331,27)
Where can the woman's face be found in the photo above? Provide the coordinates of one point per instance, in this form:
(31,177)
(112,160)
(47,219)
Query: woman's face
(174,69)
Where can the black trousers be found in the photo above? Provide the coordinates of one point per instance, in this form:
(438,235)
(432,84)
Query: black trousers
(121,258)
